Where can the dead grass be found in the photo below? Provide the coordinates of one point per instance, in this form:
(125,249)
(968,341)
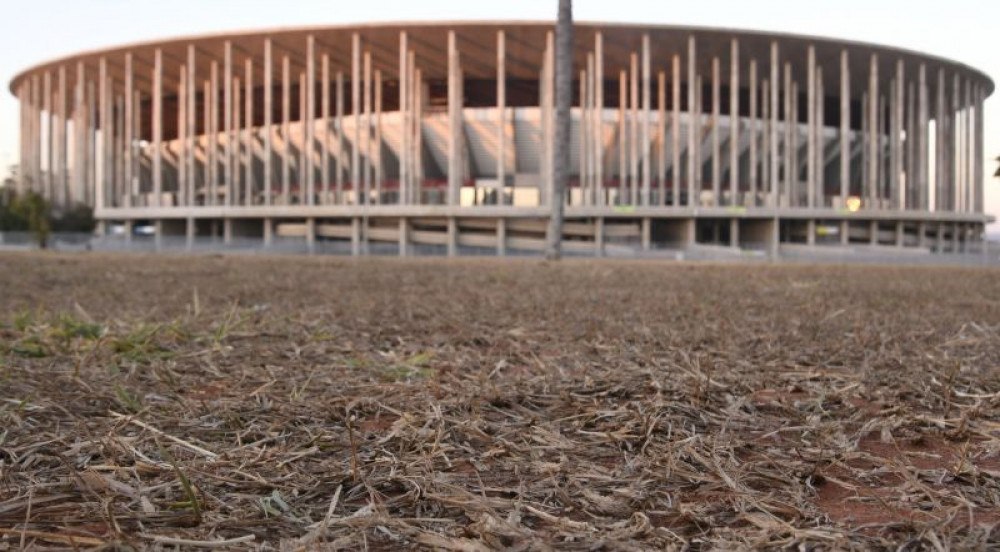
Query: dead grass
(290,403)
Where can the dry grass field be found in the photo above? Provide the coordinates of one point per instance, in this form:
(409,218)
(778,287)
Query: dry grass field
(320,403)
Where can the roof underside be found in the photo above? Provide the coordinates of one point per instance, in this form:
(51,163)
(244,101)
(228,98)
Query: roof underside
(524,46)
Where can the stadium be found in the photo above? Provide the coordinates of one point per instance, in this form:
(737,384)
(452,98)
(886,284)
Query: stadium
(438,138)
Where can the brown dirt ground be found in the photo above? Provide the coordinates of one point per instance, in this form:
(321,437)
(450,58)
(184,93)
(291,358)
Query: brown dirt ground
(321,403)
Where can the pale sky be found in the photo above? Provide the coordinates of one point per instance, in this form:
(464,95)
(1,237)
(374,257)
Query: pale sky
(963,30)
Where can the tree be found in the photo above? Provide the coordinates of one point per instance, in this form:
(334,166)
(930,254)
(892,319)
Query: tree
(560,161)
(34,210)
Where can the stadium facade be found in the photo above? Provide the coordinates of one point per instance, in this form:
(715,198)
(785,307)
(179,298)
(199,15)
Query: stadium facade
(441,135)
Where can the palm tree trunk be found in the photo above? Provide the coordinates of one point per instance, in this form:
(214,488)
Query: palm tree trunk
(560,161)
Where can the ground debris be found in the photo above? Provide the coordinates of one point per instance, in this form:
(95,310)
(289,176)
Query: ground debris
(150,402)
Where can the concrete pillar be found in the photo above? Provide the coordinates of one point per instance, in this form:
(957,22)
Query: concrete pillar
(811,232)
(325,115)
(896,103)
(404,237)
(452,237)
(900,234)
(845,232)
(454,122)
(754,128)
(310,123)
(286,135)
(646,106)
(845,128)
(405,123)
(874,131)
(675,129)
(158,235)
(922,234)
(157,124)
(940,202)
(311,235)
(268,232)
(368,155)
(661,152)
(189,233)
(791,181)
(773,141)
(227,121)
(599,126)
(734,233)
(184,198)
(647,226)
(923,142)
(268,75)
(501,237)
(192,121)
(734,122)
(622,133)
(820,141)
(716,145)
(212,140)
(339,127)
(227,231)
(62,156)
(873,232)
(977,160)
(356,236)
(250,180)
(356,116)
(633,142)
(811,128)
(599,237)
(693,164)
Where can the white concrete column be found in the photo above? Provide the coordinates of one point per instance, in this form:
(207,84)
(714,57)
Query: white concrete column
(791,183)
(212,138)
(250,179)
(501,237)
(633,127)
(599,124)
(940,203)
(405,122)
(896,103)
(774,171)
(227,122)
(286,135)
(622,134)
(192,126)
(923,141)
(341,155)
(675,129)
(501,168)
(310,122)
(874,132)
(977,159)
(753,164)
(325,114)
(820,140)
(356,116)
(268,76)
(716,135)
(845,128)
(734,122)
(157,123)
(102,148)
(47,109)
(454,123)
(584,141)
(661,153)
(182,152)
(646,104)
(62,146)
(811,128)
(379,167)
(366,132)
(693,164)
